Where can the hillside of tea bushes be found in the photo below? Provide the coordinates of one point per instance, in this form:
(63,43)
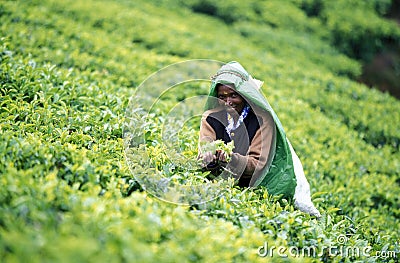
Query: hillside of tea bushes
(68,69)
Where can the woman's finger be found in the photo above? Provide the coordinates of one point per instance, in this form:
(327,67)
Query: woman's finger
(208,157)
(222,157)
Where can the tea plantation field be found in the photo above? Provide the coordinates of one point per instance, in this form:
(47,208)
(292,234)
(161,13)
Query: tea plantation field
(68,187)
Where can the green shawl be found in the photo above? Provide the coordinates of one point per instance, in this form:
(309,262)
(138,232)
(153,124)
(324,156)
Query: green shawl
(278,175)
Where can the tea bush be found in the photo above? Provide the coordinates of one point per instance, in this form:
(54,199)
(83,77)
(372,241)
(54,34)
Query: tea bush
(67,71)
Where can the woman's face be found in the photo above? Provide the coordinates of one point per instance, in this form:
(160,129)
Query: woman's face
(230,98)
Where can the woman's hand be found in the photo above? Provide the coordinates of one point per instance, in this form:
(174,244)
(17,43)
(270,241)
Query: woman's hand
(220,156)
(209,157)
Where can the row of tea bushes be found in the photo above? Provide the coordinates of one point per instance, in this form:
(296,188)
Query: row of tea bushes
(67,71)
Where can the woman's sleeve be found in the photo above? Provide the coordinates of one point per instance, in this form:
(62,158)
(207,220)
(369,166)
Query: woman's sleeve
(207,133)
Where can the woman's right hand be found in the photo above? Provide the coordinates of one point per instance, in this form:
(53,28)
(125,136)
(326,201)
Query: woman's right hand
(208,157)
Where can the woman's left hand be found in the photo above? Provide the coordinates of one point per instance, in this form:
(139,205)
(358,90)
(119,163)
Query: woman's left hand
(220,156)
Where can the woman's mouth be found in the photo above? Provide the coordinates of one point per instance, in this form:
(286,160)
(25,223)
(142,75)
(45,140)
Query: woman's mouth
(231,109)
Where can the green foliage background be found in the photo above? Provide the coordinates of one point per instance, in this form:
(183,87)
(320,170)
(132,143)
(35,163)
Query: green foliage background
(68,68)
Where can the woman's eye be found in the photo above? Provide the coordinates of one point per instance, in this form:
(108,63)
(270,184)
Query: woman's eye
(234,95)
